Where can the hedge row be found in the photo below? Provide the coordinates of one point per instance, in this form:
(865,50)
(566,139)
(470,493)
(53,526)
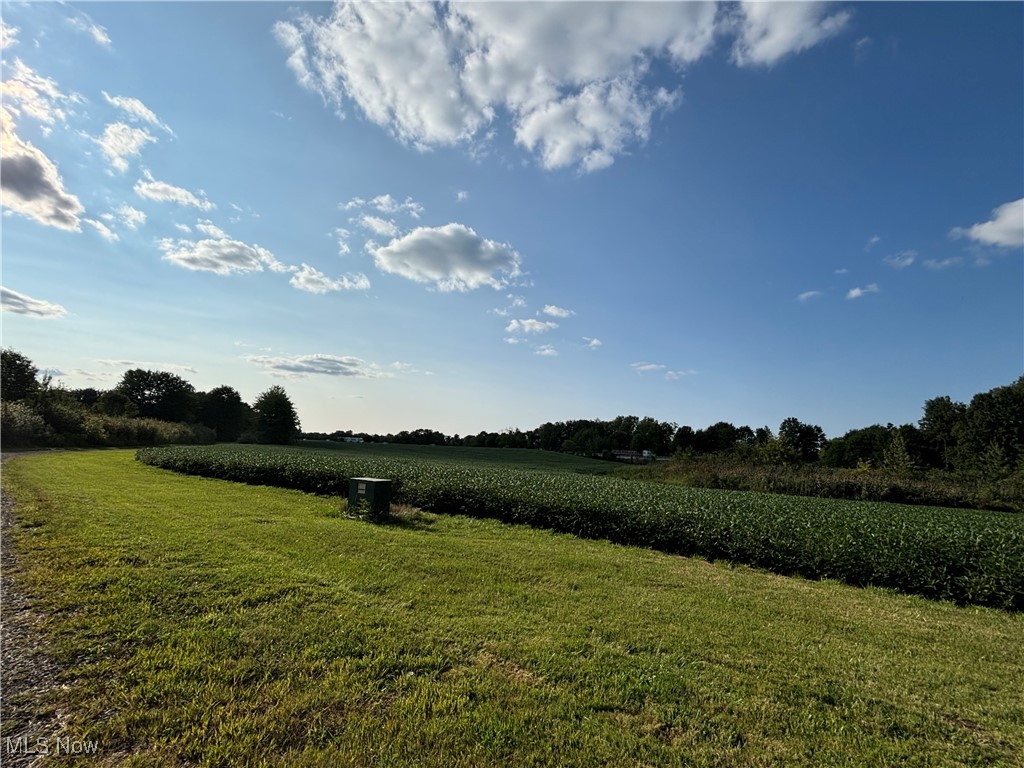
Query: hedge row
(960,555)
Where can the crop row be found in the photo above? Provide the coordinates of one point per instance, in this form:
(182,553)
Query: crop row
(965,556)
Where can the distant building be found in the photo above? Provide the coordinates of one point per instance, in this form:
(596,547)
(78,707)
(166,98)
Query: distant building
(352,439)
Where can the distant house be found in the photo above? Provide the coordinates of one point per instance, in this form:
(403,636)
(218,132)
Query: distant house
(352,439)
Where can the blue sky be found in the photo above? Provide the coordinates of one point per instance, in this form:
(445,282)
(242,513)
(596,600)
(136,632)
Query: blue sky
(483,216)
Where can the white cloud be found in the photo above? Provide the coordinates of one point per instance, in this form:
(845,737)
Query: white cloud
(452,257)
(856,293)
(343,235)
(168,193)
(355,202)
(901,260)
(120,141)
(553,311)
(301,366)
(306,278)
(31,184)
(20,304)
(530,326)
(944,264)
(872,242)
(592,343)
(223,256)
(210,229)
(570,76)
(546,350)
(808,295)
(388,204)
(512,340)
(136,110)
(676,375)
(8,35)
(842,271)
(183,228)
(377,225)
(84,24)
(462,195)
(768,32)
(130,217)
(103,229)
(1005,229)
(29,93)
(648,367)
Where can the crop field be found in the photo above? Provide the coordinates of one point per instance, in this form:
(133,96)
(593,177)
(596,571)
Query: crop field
(191,621)
(961,555)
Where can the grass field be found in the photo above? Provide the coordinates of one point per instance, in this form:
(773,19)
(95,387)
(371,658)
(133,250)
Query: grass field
(198,622)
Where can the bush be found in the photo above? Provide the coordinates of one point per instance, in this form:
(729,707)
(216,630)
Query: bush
(21,426)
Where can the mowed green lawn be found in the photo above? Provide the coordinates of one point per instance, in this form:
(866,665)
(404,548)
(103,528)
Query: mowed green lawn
(199,622)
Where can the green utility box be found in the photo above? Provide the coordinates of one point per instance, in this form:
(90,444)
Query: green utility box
(374,491)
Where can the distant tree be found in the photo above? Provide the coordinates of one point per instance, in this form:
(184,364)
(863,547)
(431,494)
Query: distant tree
(683,439)
(116,403)
(993,423)
(720,437)
(87,396)
(652,435)
(807,439)
(896,458)
(159,394)
(223,410)
(276,419)
(857,447)
(18,376)
(939,426)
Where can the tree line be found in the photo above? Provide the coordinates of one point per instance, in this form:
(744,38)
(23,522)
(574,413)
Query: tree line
(145,407)
(983,437)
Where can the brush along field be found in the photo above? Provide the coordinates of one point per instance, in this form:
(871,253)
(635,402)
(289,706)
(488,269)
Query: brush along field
(192,621)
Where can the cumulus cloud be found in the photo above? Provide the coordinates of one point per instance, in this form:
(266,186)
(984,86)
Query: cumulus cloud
(20,304)
(530,326)
(342,236)
(901,260)
(546,350)
(452,257)
(768,32)
(120,141)
(592,343)
(103,229)
(573,78)
(221,256)
(553,311)
(306,278)
(31,185)
(808,295)
(856,293)
(136,110)
(161,191)
(388,204)
(1005,229)
(301,366)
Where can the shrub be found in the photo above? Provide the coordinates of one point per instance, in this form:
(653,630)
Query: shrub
(20,425)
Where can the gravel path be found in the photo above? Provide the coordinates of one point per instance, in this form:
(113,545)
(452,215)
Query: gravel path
(27,674)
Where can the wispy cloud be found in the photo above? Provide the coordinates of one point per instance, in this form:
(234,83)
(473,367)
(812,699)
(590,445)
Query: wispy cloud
(161,191)
(20,304)
(136,110)
(944,263)
(83,23)
(901,260)
(120,141)
(856,293)
(379,226)
(592,343)
(105,232)
(147,364)
(872,242)
(220,256)
(545,350)
(808,295)
(311,280)
(302,366)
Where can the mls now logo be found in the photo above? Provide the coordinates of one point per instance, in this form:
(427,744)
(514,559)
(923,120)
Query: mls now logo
(61,745)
